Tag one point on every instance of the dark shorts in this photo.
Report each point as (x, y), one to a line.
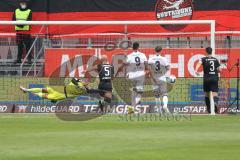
(105, 87)
(210, 84)
(26, 38)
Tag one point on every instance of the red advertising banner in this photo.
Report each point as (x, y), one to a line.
(6, 108)
(71, 62)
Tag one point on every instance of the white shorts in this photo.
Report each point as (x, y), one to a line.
(138, 84)
(160, 87)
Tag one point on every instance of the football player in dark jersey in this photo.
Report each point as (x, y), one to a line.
(105, 72)
(211, 69)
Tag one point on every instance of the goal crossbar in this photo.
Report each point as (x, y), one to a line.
(210, 22)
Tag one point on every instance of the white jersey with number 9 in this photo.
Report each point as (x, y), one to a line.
(136, 65)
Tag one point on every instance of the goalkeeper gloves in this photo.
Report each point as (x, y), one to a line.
(75, 81)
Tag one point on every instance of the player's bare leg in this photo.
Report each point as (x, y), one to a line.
(215, 99)
(33, 90)
(138, 98)
(165, 104)
(40, 92)
(41, 95)
(25, 90)
(106, 102)
(134, 95)
(133, 100)
(158, 107)
(160, 90)
(207, 101)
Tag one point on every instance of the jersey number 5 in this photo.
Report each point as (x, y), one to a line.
(107, 71)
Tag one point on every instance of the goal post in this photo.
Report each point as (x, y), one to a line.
(126, 31)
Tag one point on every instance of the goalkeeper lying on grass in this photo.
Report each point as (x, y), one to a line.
(72, 90)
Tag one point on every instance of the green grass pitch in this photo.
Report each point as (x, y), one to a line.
(44, 137)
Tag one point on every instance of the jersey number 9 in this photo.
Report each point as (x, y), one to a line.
(138, 61)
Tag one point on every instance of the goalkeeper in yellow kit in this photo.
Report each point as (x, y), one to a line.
(72, 90)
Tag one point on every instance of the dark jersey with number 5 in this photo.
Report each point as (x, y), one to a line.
(106, 72)
(210, 67)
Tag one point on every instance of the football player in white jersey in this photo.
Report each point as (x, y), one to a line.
(158, 67)
(136, 64)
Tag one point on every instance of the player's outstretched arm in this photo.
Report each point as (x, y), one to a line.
(219, 67)
(146, 67)
(149, 72)
(81, 84)
(167, 68)
(94, 68)
(120, 69)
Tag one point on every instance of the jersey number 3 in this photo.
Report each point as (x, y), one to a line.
(212, 68)
(157, 65)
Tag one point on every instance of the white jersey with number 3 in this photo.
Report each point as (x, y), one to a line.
(158, 66)
(136, 65)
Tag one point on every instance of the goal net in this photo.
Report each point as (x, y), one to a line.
(63, 49)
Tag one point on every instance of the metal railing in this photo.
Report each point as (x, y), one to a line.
(34, 64)
(30, 51)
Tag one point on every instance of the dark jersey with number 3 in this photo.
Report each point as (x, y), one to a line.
(106, 72)
(210, 67)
